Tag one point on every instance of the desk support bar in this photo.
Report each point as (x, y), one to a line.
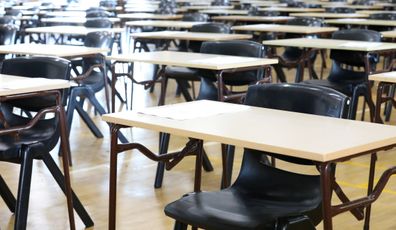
(193, 147)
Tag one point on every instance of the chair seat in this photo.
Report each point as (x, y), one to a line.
(182, 73)
(10, 149)
(222, 210)
(95, 81)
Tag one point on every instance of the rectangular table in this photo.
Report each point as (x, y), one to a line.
(285, 29)
(140, 16)
(242, 18)
(224, 12)
(349, 139)
(361, 22)
(218, 63)
(375, 48)
(73, 20)
(18, 87)
(191, 36)
(386, 81)
(163, 24)
(329, 15)
(292, 9)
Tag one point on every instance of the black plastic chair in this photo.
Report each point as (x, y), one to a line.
(183, 74)
(90, 82)
(8, 35)
(34, 143)
(97, 14)
(195, 17)
(291, 56)
(7, 20)
(254, 11)
(340, 10)
(98, 23)
(347, 73)
(264, 197)
(382, 16)
(209, 91)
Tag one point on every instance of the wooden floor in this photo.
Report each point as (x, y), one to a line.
(140, 206)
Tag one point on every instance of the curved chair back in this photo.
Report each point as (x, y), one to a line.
(211, 27)
(98, 23)
(340, 10)
(108, 3)
(235, 48)
(13, 12)
(7, 20)
(8, 34)
(97, 14)
(100, 39)
(382, 16)
(254, 11)
(195, 17)
(220, 3)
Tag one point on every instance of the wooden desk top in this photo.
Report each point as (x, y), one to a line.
(320, 43)
(66, 14)
(252, 18)
(361, 21)
(329, 15)
(11, 85)
(384, 77)
(50, 50)
(235, 12)
(72, 30)
(286, 133)
(194, 60)
(292, 9)
(150, 16)
(191, 36)
(207, 7)
(73, 20)
(389, 34)
(285, 29)
(164, 23)
(357, 7)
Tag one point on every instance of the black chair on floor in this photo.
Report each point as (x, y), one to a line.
(35, 143)
(8, 35)
(183, 74)
(265, 197)
(210, 91)
(348, 73)
(91, 80)
(195, 17)
(290, 58)
(340, 10)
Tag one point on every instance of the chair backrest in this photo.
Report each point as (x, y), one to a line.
(98, 23)
(220, 3)
(340, 10)
(108, 3)
(254, 11)
(99, 39)
(211, 27)
(13, 12)
(37, 67)
(195, 17)
(8, 34)
(301, 98)
(383, 16)
(97, 14)
(235, 48)
(7, 20)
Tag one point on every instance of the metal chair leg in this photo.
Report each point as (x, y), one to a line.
(7, 195)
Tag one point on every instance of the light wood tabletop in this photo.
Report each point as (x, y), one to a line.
(11, 85)
(226, 12)
(163, 23)
(50, 50)
(150, 16)
(389, 34)
(73, 20)
(329, 15)
(320, 43)
(291, 9)
(369, 12)
(194, 60)
(389, 77)
(357, 7)
(66, 14)
(191, 36)
(72, 30)
(361, 21)
(245, 18)
(285, 29)
(207, 7)
(243, 126)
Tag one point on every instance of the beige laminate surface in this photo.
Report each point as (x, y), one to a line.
(194, 60)
(207, 7)
(243, 126)
(150, 16)
(369, 12)
(329, 15)
(320, 43)
(192, 36)
(72, 20)
(50, 50)
(361, 21)
(66, 14)
(164, 23)
(357, 7)
(292, 9)
(73, 30)
(10, 84)
(384, 77)
(389, 34)
(235, 12)
(252, 18)
(285, 28)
